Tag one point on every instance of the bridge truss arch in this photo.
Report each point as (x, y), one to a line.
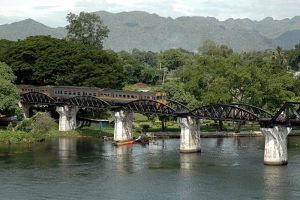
(262, 114)
(37, 98)
(288, 115)
(224, 112)
(149, 106)
(178, 107)
(87, 102)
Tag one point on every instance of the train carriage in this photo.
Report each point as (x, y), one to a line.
(114, 96)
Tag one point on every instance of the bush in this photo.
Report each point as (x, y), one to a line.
(41, 124)
(38, 126)
(24, 125)
(145, 127)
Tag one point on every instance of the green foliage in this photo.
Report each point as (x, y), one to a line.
(38, 126)
(4, 45)
(245, 79)
(15, 137)
(212, 49)
(96, 132)
(177, 92)
(294, 58)
(174, 58)
(43, 60)
(9, 95)
(86, 28)
(41, 124)
(25, 125)
(140, 66)
(145, 127)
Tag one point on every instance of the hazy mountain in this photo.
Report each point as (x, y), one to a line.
(141, 30)
(289, 39)
(152, 32)
(28, 27)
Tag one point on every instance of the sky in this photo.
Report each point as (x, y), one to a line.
(53, 12)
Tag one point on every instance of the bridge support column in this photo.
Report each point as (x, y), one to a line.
(189, 135)
(67, 117)
(276, 145)
(123, 125)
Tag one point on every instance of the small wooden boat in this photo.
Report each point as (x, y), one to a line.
(119, 143)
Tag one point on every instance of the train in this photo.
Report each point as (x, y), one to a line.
(109, 95)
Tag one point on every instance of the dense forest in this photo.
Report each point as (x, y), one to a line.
(216, 74)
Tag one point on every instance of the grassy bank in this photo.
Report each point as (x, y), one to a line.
(15, 137)
(95, 132)
(41, 127)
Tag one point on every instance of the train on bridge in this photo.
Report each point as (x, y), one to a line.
(109, 95)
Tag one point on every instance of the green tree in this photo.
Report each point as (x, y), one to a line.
(216, 79)
(140, 66)
(174, 58)
(23, 55)
(4, 45)
(279, 58)
(86, 28)
(294, 58)
(212, 49)
(9, 95)
(176, 92)
(43, 60)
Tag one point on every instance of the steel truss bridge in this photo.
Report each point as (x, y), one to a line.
(288, 114)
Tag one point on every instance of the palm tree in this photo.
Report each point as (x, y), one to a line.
(279, 58)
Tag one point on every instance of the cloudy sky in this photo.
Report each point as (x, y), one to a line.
(53, 12)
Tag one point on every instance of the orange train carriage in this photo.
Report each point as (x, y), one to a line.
(116, 96)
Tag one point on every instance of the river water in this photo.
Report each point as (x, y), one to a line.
(227, 168)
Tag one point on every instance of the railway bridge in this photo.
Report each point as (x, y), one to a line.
(275, 127)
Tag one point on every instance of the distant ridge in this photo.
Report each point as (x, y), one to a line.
(144, 31)
(28, 27)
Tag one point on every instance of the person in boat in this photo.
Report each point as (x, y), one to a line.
(142, 138)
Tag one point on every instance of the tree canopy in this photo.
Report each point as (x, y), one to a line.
(215, 75)
(44, 60)
(86, 28)
(232, 79)
(9, 95)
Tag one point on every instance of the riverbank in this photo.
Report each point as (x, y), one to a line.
(212, 134)
(15, 137)
(216, 134)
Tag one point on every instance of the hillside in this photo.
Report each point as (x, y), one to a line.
(28, 27)
(144, 31)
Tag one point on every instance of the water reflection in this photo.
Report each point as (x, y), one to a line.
(67, 150)
(276, 188)
(156, 146)
(227, 168)
(124, 160)
(188, 161)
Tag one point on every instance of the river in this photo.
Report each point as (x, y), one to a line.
(227, 168)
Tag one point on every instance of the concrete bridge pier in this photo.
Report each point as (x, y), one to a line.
(276, 145)
(123, 125)
(189, 134)
(67, 117)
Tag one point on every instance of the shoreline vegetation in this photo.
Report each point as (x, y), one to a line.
(42, 126)
(20, 136)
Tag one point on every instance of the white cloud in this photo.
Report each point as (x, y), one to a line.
(53, 12)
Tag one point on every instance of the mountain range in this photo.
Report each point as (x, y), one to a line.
(150, 32)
